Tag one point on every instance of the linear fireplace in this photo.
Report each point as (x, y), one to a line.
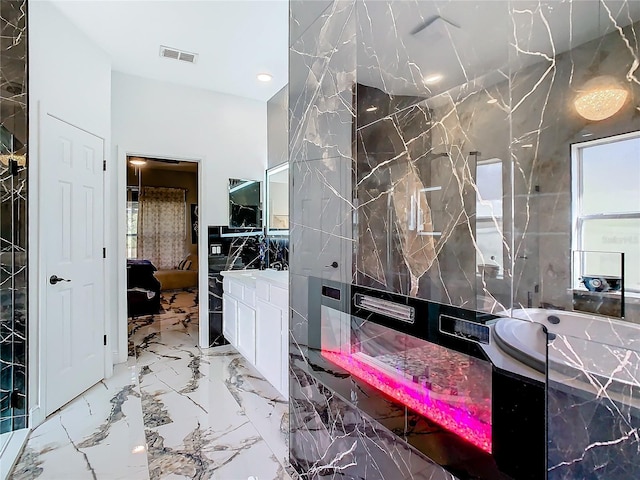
(428, 373)
(450, 388)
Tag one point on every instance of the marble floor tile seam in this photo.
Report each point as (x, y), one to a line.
(88, 446)
(255, 391)
(215, 384)
(166, 380)
(111, 435)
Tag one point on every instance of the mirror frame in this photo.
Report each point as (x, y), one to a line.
(267, 214)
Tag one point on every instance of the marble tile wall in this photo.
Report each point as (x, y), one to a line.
(592, 412)
(468, 122)
(328, 437)
(277, 252)
(13, 219)
(384, 171)
(420, 147)
(238, 253)
(544, 126)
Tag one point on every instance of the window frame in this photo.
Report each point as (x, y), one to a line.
(577, 217)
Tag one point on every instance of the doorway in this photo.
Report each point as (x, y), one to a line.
(162, 233)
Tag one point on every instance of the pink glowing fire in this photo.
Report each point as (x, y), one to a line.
(418, 399)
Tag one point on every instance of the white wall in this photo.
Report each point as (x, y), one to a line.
(227, 134)
(70, 77)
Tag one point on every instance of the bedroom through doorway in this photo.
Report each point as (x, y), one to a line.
(162, 253)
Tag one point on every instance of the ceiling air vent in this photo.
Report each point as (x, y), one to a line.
(187, 57)
(175, 54)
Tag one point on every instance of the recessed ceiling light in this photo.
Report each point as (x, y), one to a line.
(138, 161)
(492, 100)
(434, 78)
(264, 77)
(372, 108)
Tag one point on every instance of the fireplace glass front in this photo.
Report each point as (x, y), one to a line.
(447, 387)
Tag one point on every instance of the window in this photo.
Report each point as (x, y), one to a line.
(606, 206)
(132, 223)
(489, 214)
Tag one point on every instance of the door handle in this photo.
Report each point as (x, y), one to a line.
(53, 279)
(333, 265)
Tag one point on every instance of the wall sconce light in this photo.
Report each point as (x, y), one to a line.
(600, 98)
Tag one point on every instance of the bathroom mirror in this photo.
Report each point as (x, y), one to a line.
(277, 200)
(245, 206)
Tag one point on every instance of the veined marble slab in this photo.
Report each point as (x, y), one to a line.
(173, 411)
(98, 435)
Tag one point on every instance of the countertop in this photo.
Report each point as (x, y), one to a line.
(279, 278)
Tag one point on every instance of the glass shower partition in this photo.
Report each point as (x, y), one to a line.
(593, 401)
(13, 284)
(13, 232)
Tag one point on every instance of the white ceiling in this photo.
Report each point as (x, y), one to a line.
(235, 40)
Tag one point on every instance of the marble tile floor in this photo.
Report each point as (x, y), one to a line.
(173, 411)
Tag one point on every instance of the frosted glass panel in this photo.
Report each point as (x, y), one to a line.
(489, 183)
(616, 235)
(489, 240)
(489, 251)
(611, 176)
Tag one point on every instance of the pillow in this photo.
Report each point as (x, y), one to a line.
(186, 265)
(181, 264)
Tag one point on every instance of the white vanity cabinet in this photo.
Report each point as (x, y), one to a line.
(255, 321)
(269, 333)
(246, 343)
(230, 325)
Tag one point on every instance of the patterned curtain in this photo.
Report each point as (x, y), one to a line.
(162, 226)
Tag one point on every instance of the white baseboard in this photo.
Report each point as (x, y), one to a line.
(11, 450)
(36, 416)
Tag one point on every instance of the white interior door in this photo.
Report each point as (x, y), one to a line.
(72, 233)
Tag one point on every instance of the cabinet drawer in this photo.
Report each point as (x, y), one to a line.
(280, 297)
(236, 289)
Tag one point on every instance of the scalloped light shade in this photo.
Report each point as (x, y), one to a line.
(137, 161)
(600, 98)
